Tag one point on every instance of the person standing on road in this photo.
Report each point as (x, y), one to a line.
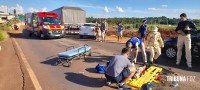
(104, 27)
(143, 30)
(154, 42)
(134, 44)
(120, 33)
(98, 32)
(184, 38)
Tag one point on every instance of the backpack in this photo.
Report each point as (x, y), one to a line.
(100, 68)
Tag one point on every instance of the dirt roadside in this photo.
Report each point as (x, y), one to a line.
(14, 75)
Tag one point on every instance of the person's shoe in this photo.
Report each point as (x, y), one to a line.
(124, 87)
(145, 63)
(189, 66)
(148, 66)
(151, 63)
(108, 83)
(177, 63)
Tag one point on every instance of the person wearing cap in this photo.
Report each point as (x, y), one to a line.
(134, 44)
(143, 30)
(184, 29)
(154, 45)
(120, 33)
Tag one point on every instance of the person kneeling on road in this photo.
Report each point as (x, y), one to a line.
(133, 44)
(154, 43)
(120, 69)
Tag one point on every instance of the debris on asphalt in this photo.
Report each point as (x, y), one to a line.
(174, 84)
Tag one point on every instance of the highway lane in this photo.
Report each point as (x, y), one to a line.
(41, 54)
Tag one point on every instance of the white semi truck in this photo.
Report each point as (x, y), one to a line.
(72, 18)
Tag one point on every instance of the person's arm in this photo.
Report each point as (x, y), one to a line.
(192, 26)
(146, 27)
(178, 28)
(129, 64)
(108, 63)
(136, 50)
(106, 25)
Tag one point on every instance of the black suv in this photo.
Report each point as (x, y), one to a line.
(170, 48)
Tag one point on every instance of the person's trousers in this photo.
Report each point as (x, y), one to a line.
(103, 34)
(184, 40)
(142, 48)
(155, 52)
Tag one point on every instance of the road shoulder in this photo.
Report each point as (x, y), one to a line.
(13, 74)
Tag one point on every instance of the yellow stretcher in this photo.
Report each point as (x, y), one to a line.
(149, 76)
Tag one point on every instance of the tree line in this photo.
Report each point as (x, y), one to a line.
(133, 22)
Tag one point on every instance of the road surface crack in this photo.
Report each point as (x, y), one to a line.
(21, 67)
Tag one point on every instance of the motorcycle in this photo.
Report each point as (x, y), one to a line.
(16, 27)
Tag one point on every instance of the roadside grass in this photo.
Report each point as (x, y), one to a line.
(163, 27)
(3, 35)
(150, 27)
(3, 31)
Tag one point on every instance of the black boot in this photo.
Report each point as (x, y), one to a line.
(151, 63)
(155, 61)
(145, 63)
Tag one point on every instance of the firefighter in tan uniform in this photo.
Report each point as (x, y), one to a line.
(154, 45)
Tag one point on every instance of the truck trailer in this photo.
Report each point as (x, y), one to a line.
(72, 18)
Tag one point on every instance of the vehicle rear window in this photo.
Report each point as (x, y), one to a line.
(89, 25)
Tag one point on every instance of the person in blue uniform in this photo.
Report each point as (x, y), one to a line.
(134, 44)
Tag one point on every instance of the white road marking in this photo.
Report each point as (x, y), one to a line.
(28, 67)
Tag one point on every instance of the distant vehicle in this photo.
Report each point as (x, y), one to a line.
(72, 18)
(88, 29)
(170, 48)
(44, 25)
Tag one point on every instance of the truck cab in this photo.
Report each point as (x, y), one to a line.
(45, 25)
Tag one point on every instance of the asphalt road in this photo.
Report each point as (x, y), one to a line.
(41, 55)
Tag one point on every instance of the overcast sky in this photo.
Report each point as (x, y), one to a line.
(110, 8)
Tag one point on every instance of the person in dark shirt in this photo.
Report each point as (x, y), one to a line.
(143, 30)
(184, 29)
(104, 27)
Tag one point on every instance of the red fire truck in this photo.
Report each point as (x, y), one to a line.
(44, 25)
